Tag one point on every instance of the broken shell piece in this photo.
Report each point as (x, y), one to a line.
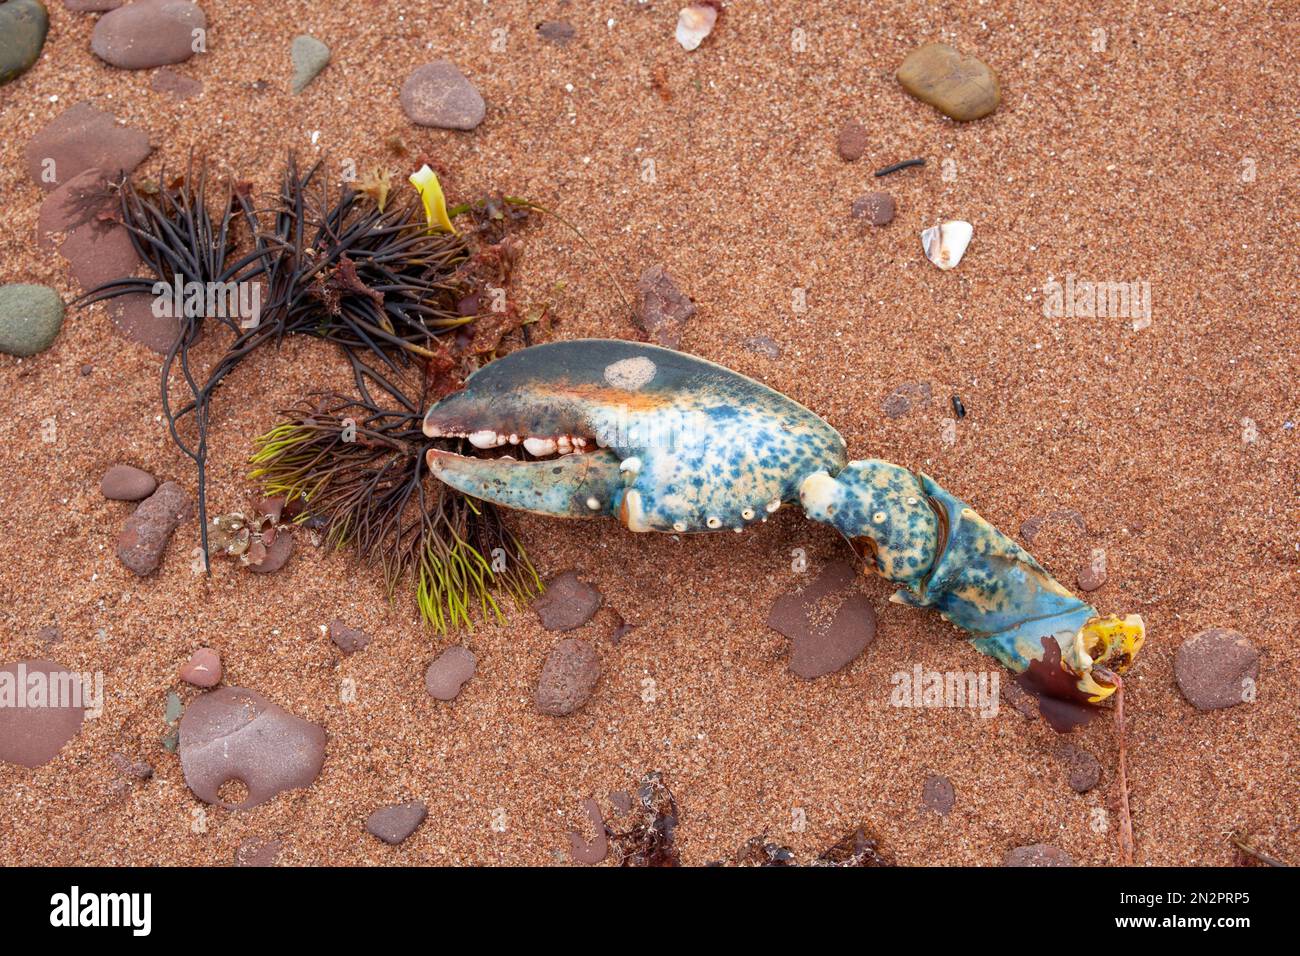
(694, 23)
(945, 244)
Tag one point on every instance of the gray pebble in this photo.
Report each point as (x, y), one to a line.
(127, 483)
(23, 25)
(309, 56)
(30, 318)
(438, 94)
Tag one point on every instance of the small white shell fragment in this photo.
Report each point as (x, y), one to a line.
(946, 243)
(694, 23)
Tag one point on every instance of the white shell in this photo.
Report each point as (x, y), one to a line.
(945, 244)
(694, 23)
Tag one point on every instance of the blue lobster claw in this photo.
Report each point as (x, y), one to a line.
(662, 440)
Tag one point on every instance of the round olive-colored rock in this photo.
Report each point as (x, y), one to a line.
(23, 25)
(30, 318)
(962, 87)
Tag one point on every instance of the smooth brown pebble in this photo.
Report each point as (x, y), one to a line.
(235, 734)
(961, 87)
(438, 94)
(127, 483)
(1217, 668)
(394, 824)
(449, 672)
(33, 735)
(568, 677)
(148, 33)
(203, 669)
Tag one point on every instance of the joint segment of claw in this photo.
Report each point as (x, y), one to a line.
(684, 445)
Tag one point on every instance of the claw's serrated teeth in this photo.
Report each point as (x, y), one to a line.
(541, 447)
(486, 439)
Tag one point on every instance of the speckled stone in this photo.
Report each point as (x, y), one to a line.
(961, 87)
(30, 318)
(438, 94)
(23, 25)
(568, 677)
(144, 537)
(877, 208)
(147, 33)
(568, 603)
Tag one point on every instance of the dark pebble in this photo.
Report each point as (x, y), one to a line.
(348, 639)
(449, 672)
(1216, 668)
(394, 824)
(567, 603)
(1084, 769)
(557, 31)
(877, 208)
(236, 734)
(662, 310)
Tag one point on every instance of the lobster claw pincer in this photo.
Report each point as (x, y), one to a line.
(662, 440)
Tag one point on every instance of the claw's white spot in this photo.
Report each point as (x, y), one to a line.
(679, 525)
(632, 513)
(911, 501)
(630, 373)
(714, 522)
(773, 504)
(593, 504)
(737, 530)
(632, 465)
(878, 517)
(748, 514)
